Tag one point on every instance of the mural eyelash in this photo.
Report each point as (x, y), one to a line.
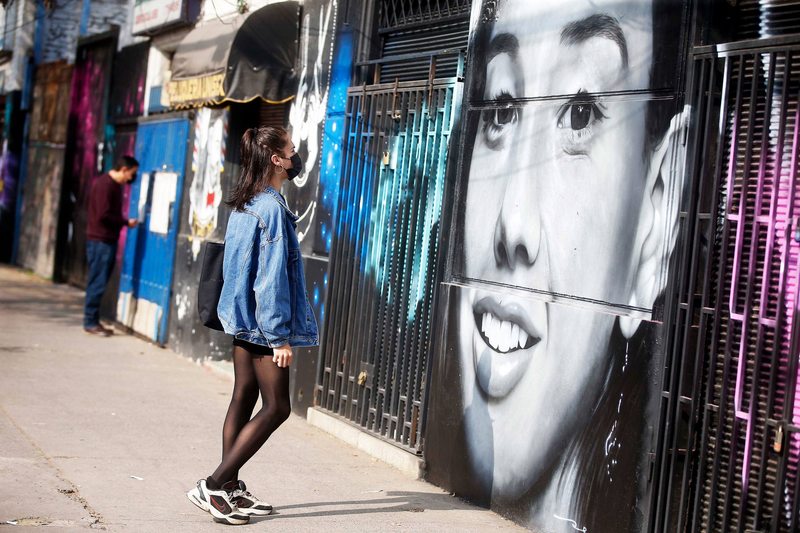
(496, 120)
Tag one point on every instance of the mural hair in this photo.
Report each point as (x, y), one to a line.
(608, 480)
(258, 145)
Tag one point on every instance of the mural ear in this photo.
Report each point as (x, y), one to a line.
(658, 220)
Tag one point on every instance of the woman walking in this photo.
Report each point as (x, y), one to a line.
(264, 306)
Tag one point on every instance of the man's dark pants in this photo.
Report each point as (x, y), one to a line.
(100, 258)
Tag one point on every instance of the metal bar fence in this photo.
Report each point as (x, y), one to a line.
(384, 261)
(729, 443)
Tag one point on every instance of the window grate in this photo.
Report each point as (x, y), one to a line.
(418, 40)
(395, 14)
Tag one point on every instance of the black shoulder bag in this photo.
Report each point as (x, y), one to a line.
(211, 284)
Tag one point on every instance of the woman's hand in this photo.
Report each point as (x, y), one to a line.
(282, 356)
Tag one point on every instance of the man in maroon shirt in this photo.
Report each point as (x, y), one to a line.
(102, 232)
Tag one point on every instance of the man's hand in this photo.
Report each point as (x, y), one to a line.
(282, 356)
(132, 222)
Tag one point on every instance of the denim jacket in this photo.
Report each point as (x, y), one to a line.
(263, 298)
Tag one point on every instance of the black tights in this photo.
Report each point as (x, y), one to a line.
(242, 436)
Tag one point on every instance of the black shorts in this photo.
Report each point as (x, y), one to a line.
(255, 349)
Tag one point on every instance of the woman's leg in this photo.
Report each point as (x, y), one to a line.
(273, 382)
(243, 401)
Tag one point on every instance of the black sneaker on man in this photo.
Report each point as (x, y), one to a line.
(218, 503)
(245, 501)
(98, 330)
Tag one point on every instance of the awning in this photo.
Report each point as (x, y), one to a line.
(238, 60)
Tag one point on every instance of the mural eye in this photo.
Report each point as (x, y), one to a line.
(579, 115)
(504, 116)
(498, 120)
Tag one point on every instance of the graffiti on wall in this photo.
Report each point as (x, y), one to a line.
(332, 141)
(566, 220)
(208, 160)
(40, 208)
(9, 164)
(308, 109)
(45, 163)
(62, 26)
(129, 76)
(85, 149)
(121, 141)
(8, 179)
(754, 250)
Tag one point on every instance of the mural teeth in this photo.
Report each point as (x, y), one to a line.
(513, 341)
(494, 331)
(505, 336)
(485, 322)
(523, 339)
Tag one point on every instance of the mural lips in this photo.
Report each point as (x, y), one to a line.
(506, 336)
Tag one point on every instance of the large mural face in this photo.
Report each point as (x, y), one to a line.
(567, 219)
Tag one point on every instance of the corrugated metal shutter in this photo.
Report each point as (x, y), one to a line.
(756, 19)
(452, 36)
(273, 114)
(428, 31)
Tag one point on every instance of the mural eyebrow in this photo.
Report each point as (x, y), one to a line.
(503, 43)
(597, 25)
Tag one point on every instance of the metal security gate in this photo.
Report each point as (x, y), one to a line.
(384, 257)
(730, 442)
(384, 263)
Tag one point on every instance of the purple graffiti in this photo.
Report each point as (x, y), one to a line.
(8, 179)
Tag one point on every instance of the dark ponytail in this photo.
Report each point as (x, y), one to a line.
(258, 145)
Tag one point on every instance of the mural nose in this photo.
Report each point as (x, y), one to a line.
(516, 234)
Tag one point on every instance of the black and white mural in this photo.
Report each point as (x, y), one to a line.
(566, 217)
(306, 123)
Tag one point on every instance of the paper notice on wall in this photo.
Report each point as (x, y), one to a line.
(141, 210)
(165, 185)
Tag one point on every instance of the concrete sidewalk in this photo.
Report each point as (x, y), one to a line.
(110, 433)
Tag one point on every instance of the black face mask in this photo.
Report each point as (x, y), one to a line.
(297, 166)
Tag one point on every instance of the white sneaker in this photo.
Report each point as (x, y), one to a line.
(194, 497)
(244, 499)
(218, 503)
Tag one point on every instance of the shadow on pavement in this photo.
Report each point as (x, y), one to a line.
(415, 502)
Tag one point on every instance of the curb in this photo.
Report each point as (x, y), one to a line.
(408, 463)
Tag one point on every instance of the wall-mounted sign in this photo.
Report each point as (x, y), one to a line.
(200, 89)
(151, 14)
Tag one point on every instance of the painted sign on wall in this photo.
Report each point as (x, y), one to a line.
(566, 217)
(150, 14)
(67, 21)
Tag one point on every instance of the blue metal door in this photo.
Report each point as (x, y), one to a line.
(146, 280)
